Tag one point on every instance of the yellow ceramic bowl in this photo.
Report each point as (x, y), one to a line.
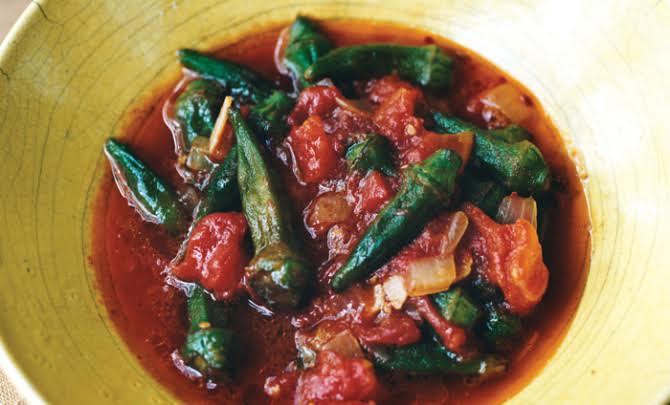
(70, 72)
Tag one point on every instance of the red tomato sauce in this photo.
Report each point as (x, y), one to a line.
(130, 255)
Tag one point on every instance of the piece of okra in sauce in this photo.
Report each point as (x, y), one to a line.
(222, 193)
(428, 66)
(305, 45)
(277, 273)
(506, 153)
(209, 342)
(430, 358)
(151, 197)
(425, 191)
(269, 107)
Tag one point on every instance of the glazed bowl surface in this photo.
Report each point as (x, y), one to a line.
(73, 73)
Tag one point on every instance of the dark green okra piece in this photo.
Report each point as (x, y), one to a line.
(456, 306)
(197, 108)
(506, 153)
(485, 194)
(372, 153)
(499, 326)
(305, 45)
(428, 66)
(277, 273)
(426, 190)
(238, 80)
(430, 358)
(221, 193)
(209, 343)
(453, 125)
(268, 117)
(151, 197)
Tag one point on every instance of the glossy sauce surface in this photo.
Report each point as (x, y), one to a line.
(130, 255)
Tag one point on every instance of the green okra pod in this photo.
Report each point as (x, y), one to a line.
(485, 194)
(507, 153)
(221, 193)
(426, 190)
(429, 358)
(456, 306)
(277, 273)
(151, 197)
(197, 108)
(305, 45)
(499, 326)
(238, 80)
(428, 66)
(373, 153)
(268, 117)
(209, 343)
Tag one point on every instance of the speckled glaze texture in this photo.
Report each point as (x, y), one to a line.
(72, 72)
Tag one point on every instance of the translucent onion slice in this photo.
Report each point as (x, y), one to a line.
(395, 291)
(221, 140)
(353, 106)
(455, 229)
(510, 101)
(197, 158)
(344, 343)
(326, 210)
(280, 47)
(513, 208)
(430, 275)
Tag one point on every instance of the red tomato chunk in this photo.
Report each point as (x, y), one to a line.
(395, 117)
(374, 192)
(510, 257)
(396, 329)
(215, 256)
(337, 378)
(314, 100)
(314, 151)
(379, 90)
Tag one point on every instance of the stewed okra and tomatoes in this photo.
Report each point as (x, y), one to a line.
(329, 216)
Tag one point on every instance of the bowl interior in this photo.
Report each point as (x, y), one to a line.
(72, 73)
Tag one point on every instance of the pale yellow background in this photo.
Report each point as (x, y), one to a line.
(75, 68)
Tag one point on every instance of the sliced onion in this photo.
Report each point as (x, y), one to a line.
(353, 106)
(395, 291)
(344, 343)
(282, 42)
(221, 141)
(513, 208)
(430, 275)
(198, 156)
(378, 302)
(326, 210)
(455, 229)
(510, 101)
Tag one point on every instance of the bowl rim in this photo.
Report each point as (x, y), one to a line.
(17, 376)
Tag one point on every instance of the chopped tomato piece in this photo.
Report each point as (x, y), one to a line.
(313, 149)
(510, 257)
(430, 142)
(395, 117)
(314, 100)
(337, 378)
(379, 90)
(215, 256)
(397, 329)
(374, 192)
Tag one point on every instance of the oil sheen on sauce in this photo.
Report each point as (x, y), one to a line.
(129, 255)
